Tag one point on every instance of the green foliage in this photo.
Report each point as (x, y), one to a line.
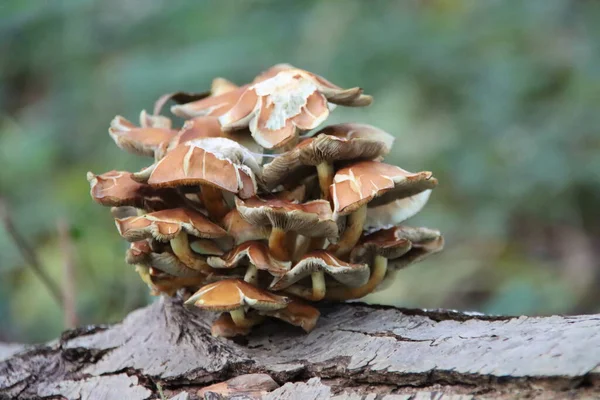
(498, 99)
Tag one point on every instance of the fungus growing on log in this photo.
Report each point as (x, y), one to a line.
(237, 212)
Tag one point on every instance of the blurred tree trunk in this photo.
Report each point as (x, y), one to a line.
(357, 351)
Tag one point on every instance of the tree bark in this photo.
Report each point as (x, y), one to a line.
(357, 351)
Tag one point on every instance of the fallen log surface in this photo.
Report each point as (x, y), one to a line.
(357, 351)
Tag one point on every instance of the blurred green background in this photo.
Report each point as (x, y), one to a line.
(500, 99)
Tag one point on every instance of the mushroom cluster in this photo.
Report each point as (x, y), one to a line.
(252, 213)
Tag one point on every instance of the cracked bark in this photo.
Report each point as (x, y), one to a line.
(356, 352)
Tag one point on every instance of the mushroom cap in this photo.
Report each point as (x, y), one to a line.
(167, 224)
(342, 142)
(351, 275)
(225, 327)
(425, 242)
(139, 140)
(298, 314)
(241, 230)
(169, 284)
(375, 183)
(140, 253)
(388, 243)
(211, 105)
(218, 162)
(256, 253)
(209, 127)
(312, 219)
(284, 102)
(402, 245)
(117, 188)
(396, 211)
(231, 294)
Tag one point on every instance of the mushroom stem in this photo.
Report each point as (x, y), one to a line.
(356, 222)
(377, 274)
(279, 245)
(318, 285)
(251, 275)
(303, 244)
(181, 247)
(241, 320)
(212, 198)
(325, 173)
(144, 273)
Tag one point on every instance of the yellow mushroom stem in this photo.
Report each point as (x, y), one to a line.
(318, 285)
(144, 273)
(213, 201)
(251, 275)
(325, 173)
(303, 292)
(242, 321)
(181, 247)
(281, 244)
(354, 228)
(377, 274)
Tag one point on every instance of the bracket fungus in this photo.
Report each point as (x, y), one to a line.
(245, 216)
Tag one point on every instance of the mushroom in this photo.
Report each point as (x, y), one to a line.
(143, 257)
(209, 106)
(316, 264)
(209, 127)
(117, 189)
(225, 327)
(258, 257)
(172, 226)
(216, 164)
(241, 230)
(276, 109)
(142, 140)
(312, 219)
(370, 182)
(296, 313)
(342, 142)
(395, 212)
(234, 296)
(162, 282)
(400, 245)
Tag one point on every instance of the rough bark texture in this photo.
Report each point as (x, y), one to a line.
(356, 352)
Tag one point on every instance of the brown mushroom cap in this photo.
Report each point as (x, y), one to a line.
(165, 225)
(351, 275)
(241, 230)
(298, 314)
(388, 243)
(277, 108)
(257, 253)
(209, 106)
(342, 142)
(231, 294)
(398, 243)
(117, 188)
(209, 127)
(139, 140)
(312, 219)
(375, 183)
(217, 162)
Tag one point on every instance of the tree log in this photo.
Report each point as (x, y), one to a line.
(357, 351)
